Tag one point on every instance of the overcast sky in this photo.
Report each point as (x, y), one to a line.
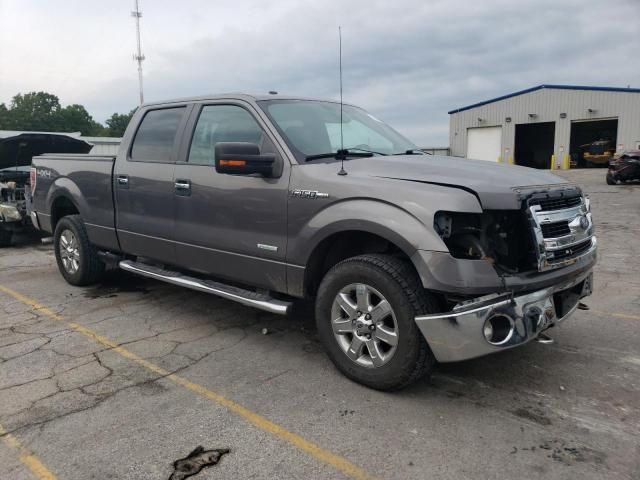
(408, 62)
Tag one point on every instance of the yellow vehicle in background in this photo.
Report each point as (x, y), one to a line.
(598, 153)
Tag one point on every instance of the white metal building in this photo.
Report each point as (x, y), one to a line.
(545, 126)
(101, 145)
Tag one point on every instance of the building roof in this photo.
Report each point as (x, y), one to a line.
(540, 87)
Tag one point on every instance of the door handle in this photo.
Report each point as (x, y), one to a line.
(123, 181)
(182, 187)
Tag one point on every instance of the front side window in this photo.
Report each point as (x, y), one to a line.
(156, 135)
(313, 128)
(222, 123)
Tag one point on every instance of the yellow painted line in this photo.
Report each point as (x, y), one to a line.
(339, 463)
(626, 316)
(26, 456)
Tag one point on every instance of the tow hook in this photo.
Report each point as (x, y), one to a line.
(545, 339)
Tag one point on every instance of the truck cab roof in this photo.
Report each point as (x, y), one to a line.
(237, 96)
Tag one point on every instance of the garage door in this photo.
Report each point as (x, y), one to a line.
(484, 143)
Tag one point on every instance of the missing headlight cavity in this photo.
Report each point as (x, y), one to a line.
(196, 461)
(502, 238)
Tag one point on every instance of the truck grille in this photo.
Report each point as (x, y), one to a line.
(550, 204)
(574, 251)
(556, 229)
(562, 228)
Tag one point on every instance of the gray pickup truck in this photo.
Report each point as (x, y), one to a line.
(412, 259)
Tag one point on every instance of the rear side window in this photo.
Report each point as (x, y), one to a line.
(156, 135)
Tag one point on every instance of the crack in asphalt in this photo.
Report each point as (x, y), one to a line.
(59, 371)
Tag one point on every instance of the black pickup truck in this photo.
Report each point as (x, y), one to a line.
(411, 258)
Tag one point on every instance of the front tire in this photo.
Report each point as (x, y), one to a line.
(77, 258)
(365, 312)
(611, 180)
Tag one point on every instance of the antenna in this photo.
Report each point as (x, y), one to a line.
(138, 57)
(341, 153)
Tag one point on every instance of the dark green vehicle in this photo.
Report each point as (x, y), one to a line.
(411, 259)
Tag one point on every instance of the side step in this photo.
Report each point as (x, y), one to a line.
(240, 295)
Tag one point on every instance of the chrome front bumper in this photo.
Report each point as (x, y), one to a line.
(458, 335)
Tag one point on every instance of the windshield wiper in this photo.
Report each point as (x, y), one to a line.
(411, 152)
(365, 150)
(339, 155)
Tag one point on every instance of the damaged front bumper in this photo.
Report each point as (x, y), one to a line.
(496, 322)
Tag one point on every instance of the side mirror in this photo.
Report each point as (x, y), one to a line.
(241, 158)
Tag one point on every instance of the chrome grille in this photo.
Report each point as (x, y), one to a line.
(562, 228)
(571, 252)
(558, 203)
(556, 229)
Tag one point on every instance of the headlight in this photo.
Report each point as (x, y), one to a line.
(500, 237)
(9, 213)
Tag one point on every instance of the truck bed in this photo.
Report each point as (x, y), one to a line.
(85, 178)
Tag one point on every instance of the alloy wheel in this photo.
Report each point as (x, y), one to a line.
(364, 325)
(69, 252)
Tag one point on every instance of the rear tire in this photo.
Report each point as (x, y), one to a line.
(5, 237)
(77, 258)
(376, 364)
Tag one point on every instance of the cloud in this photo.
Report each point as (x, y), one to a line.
(408, 62)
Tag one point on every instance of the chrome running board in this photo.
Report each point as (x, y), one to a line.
(240, 295)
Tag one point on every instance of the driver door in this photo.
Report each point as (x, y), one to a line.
(230, 226)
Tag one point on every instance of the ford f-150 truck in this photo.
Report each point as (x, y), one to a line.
(412, 259)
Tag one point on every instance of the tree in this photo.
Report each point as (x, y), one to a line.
(41, 111)
(5, 117)
(75, 118)
(118, 122)
(35, 111)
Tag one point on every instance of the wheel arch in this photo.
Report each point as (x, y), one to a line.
(341, 245)
(65, 198)
(61, 207)
(350, 228)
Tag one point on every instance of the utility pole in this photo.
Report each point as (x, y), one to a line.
(138, 57)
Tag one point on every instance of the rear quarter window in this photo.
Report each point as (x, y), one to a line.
(156, 135)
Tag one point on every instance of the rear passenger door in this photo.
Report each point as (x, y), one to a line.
(143, 185)
(230, 226)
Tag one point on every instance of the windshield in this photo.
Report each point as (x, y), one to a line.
(313, 128)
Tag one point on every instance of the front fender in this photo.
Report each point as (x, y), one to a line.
(385, 220)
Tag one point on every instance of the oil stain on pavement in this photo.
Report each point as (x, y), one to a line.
(196, 461)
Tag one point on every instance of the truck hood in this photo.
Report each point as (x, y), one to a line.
(497, 186)
(14, 174)
(17, 151)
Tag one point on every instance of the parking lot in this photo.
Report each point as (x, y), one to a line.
(122, 379)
